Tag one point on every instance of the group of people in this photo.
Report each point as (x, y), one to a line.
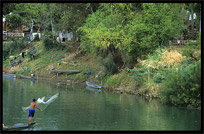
(23, 54)
(13, 62)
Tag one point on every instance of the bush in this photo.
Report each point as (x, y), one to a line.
(115, 80)
(182, 87)
(32, 54)
(188, 50)
(49, 43)
(109, 65)
(6, 50)
(15, 45)
(36, 38)
(59, 57)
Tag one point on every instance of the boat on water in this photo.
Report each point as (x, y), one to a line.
(92, 85)
(9, 75)
(27, 77)
(13, 128)
(91, 89)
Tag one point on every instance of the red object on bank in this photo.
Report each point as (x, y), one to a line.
(28, 47)
(182, 42)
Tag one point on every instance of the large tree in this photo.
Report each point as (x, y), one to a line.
(132, 29)
(194, 8)
(8, 8)
(28, 14)
(70, 16)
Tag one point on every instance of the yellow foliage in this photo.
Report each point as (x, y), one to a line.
(168, 59)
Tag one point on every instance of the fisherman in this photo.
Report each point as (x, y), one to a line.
(32, 110)
(4, 126)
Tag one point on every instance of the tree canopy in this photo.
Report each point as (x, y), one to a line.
(128, 30)
(135, 29)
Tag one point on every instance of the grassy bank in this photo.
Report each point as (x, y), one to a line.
(162, 74)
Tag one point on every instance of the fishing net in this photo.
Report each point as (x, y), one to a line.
(42, 104)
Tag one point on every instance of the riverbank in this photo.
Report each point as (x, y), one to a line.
(145, 79)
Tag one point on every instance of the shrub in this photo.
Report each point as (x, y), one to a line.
(32, 54)
(109, 65)
(48, 43)
(116, 80)
(6, 51)
(183, 86)
(36, 38)
(188, 50)
(162, 58)
(59, 57)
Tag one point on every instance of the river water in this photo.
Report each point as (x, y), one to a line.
(80, 108)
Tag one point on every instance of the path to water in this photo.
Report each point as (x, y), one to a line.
(77, 108)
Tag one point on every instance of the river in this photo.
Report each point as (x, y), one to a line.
(79, 108)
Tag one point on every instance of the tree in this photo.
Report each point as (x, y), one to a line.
(134, 30)
(194, 8)
(72, 15)
(27, 14)
(8, 8)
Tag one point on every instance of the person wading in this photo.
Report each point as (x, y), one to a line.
(32, 110)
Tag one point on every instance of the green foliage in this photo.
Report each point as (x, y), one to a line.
(49, 42)
(6, 50)
(13, 21)
(188, 50)
(134, 31)
(191, 46)
(59, 57)
(138, 74)
(116, 80)
(73, 16)
(13, 47)
(36, 38)
(8, 8)
(183, 86)
(110, 66)
(33, 54)
(159, 77)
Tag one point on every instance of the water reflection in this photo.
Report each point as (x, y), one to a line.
(78, 108)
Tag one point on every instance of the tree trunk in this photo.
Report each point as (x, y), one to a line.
(192, 25)
(91, 9)
(200, 22)
(123, 56)
(51, 23)
(31, 30)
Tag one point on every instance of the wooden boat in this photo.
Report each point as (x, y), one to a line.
(65, 71)
(13, 128)
(91, 89)
(92, 85)
(9, 75)
(27, 77)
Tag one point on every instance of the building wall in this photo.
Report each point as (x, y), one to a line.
(64, 36)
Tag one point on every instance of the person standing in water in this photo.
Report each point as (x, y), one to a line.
(4, 126)
(32, 110)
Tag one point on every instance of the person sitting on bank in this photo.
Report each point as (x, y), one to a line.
(4, 126)
(32, 110)
(32, 75)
